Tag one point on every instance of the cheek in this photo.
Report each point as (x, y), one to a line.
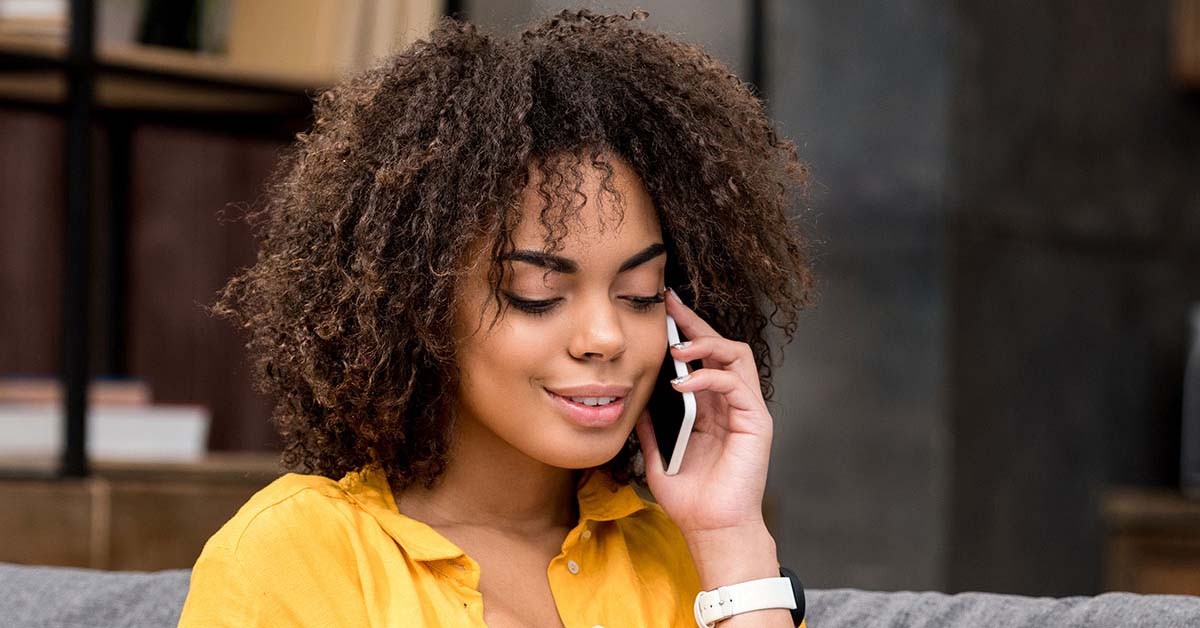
(646, 350)
(512, 352)
(652, 341)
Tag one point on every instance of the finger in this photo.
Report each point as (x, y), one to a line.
(645, 432)
(730, 386)
(723, 353)
(688, 320)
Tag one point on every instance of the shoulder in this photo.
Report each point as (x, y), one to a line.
(292, 504)
(292, 539)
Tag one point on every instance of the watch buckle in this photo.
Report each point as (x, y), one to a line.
(725, 602)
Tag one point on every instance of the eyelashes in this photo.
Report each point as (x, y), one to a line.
(538, 308)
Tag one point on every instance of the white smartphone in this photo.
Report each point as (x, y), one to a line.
(672, 413)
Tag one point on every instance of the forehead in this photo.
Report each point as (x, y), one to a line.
(597, 204)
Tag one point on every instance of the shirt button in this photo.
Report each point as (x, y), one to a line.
(587, 534)
(572, 566)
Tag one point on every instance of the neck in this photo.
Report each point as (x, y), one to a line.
(488, 483)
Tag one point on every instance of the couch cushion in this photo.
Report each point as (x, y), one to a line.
(66, 597)
(846, 608)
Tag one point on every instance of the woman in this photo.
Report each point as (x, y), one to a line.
(474, 231)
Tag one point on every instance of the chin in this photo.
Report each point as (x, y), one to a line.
(576, 457)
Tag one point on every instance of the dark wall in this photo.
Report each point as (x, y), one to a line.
(1075, 187)
(862, 457)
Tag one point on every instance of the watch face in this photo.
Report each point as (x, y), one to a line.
(797, 592)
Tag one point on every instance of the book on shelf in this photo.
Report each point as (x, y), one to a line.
(116, 21)
(323, 38)
(396, 24)
(122, 422)
(33, 18)
(155, 432)
(310, 42)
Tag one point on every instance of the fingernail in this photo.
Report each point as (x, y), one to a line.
(680, 380)
(680, 345)
(674, 296)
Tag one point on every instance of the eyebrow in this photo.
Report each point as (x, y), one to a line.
(568, 266)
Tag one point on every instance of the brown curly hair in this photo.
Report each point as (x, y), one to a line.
(368, 218)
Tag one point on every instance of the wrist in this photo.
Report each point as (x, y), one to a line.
(733, 555)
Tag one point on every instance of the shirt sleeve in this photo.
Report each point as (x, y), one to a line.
(289, 565)
(219, 591)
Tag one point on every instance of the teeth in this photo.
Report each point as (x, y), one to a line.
(593, 401)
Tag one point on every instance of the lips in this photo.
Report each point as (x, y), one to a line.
(589, 416)
(592, 390)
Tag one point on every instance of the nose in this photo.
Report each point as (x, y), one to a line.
(598, 333)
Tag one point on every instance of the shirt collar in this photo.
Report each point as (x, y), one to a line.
(600, 498)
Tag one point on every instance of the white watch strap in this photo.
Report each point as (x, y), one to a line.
(726, 601)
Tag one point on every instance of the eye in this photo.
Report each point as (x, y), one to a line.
(645, 304)
(538, 308)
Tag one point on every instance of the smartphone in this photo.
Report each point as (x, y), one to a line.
(672, 412)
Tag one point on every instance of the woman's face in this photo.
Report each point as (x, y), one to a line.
(593, 332)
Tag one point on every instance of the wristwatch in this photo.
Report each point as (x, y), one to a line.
(723, 602)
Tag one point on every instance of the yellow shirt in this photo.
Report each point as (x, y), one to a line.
(309, 551)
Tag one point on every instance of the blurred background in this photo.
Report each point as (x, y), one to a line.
(990, 395)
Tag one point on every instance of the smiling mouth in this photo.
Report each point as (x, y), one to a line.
(588, 416)
(614, 398)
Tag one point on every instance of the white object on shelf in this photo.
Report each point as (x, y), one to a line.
(33, 9)
(35, 18)
(162, 432)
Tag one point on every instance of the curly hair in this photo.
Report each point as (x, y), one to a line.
(367, 220)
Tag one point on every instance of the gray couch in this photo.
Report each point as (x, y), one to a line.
(62, 597)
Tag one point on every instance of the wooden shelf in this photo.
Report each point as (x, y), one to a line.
(1153, 541)
(153, 78)
(128, 515)
(214, 467)
(1185, 43)
(1135, 508)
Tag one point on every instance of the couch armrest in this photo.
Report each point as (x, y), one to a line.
(68, 597)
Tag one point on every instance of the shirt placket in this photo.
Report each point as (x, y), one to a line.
(464, 571)
(572, 578)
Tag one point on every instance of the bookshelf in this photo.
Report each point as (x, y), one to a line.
(136, 77)
(252, 88)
